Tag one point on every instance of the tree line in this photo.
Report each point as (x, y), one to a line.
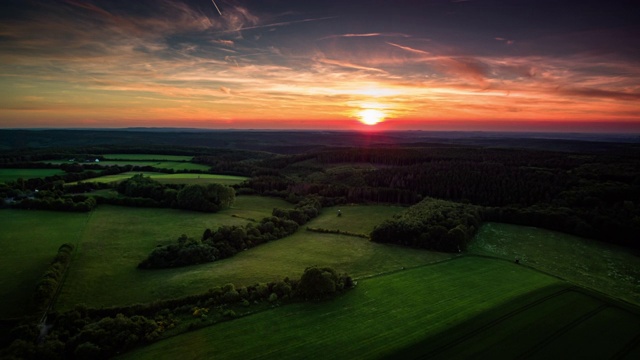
(50, 280)
(84, 333)
(140, 190)
(228, 240)
(591, 195)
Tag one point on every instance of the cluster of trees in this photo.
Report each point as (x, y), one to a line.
(141, 190)
(588, 194)
(84, 333)
(431, 224)
(228, 240)
(50, 281)
(319, 282)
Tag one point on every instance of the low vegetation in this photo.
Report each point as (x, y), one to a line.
(227, 241)
(593, 264)
(490, 290)
(50, 281)
(9, 175)
(102, 333)
(29, 240)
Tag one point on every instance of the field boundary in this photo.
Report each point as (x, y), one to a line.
(634, 343)
(54, 299)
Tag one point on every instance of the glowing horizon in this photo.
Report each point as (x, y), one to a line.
(286, 64)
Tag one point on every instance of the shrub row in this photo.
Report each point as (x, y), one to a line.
(339, 232)
(227, 241)
(50, 281)
(85, 333)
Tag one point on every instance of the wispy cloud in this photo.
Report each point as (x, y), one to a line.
(86, 60)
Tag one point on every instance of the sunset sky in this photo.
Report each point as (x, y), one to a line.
(516, 65)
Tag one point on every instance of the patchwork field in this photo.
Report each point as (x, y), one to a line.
(29, 241)
(593, 264)
(116, 239)
(7, 175)
(464, 307)
(407, 304)
(104, 271)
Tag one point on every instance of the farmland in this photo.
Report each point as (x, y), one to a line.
(209, 292)
(7, 175)
(117, 238)
(428, 310)
(604, 267)
(130, 234)
(29, 241)
(173, 178)
(147, 157)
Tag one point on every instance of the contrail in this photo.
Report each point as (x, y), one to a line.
(214, 4)
(276, 24)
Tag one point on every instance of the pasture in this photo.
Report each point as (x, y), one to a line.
(116, 239)
(147, 157)
(354, 218)
(29, 241)
(7, 175)
(463, 307)
(173, 165)
(589, 263)
(187, 178)
(104, 271)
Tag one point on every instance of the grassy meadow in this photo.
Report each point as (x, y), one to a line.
(355, 218)
(593, 264)
(408, 303)
(29, 241)
(7, 175)
(174, 165)
(462, 308)
(147, 157)
(118, 238)
(173, 178)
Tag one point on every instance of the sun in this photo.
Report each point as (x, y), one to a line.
(371, 116)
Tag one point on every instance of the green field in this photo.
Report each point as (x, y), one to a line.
(7, 175)
(29, 241)
(356, 219)
(104, 271)
(116, 239)
(593, 264)
(173, 178)
(174, 165)
(408, 313)
(147, 157)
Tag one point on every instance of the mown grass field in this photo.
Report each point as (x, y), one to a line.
(116, 239)
(104, 271)
(147, 157)
(464, 307)
(7, 175)
(355, 219)
(29, 240)
(174, 165)
(593, 264)
(173, 178)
